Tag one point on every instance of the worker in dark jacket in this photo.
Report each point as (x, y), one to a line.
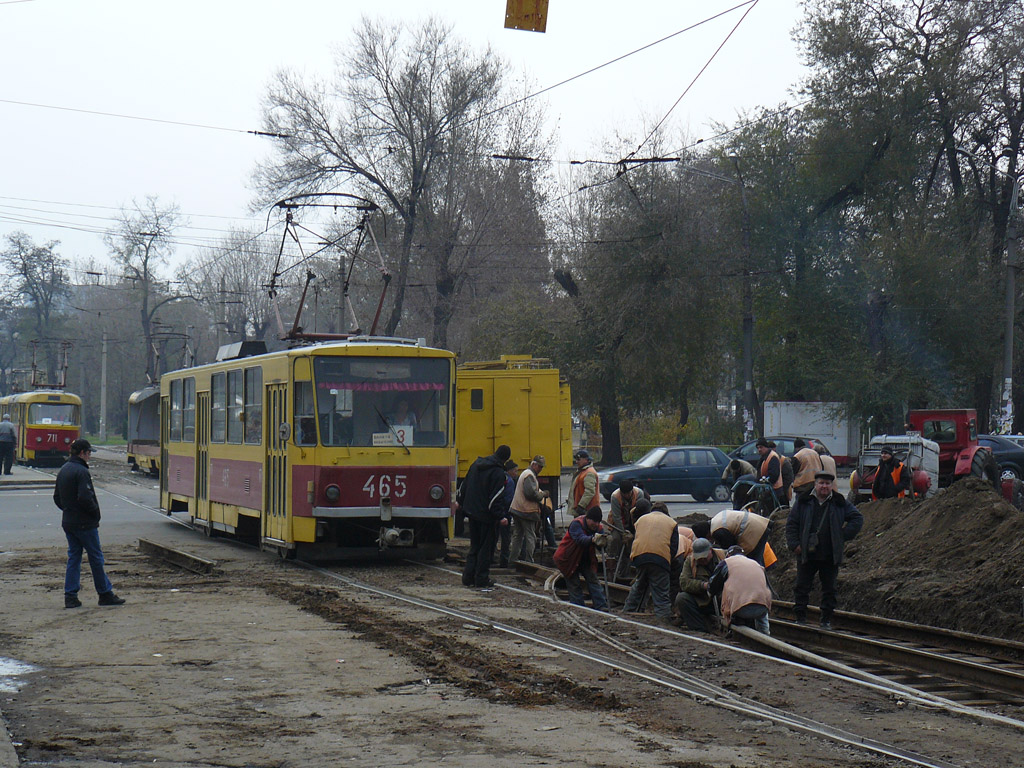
(74, 496)
(481, 498)
(819, 525)
(892, 478)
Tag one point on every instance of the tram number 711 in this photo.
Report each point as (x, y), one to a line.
(386, 485)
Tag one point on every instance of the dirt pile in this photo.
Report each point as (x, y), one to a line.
(955, 560)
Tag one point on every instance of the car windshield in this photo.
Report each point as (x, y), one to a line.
(651, 458)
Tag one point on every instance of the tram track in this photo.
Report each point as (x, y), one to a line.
(647, 668)
(605, 647)
(974, 670)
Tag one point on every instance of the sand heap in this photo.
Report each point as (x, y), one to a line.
(955, 560)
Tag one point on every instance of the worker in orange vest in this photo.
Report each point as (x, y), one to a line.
(771, 468)
(892, 478)
(583, 490)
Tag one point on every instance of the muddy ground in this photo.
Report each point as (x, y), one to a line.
(263, 663)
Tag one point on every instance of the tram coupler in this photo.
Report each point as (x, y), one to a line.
(396, 537)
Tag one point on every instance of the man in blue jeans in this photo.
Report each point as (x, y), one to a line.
(74, 496)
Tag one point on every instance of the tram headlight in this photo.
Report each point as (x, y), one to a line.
(436, 492)
(67, 439)
(332, 492)
(39, 439)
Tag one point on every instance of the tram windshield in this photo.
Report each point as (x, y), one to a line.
(382, 401)
(62, 414)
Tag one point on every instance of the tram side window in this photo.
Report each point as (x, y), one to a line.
(253, 405)
(218, 408)
(305, 414)
(188, 411)
(235, 406)
(176, 410)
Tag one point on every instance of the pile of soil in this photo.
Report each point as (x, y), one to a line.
(955, 560)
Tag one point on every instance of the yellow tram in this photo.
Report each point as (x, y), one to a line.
(334, 450)
(47, 422)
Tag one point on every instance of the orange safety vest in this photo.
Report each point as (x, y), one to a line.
(577, 485)
(895, 474)
(764, 469)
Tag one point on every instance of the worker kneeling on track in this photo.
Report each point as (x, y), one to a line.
(576, 558)
(746, 596)
(694, 603)
(656, 542)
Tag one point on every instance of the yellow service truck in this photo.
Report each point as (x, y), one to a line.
(518, 401)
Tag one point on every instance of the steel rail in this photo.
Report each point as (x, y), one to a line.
(699, 691)
(987, 673)
(967, 642)
(822, 665)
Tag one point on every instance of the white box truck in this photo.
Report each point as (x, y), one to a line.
(815, 419)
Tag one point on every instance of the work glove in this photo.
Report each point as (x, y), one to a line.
(600, 540)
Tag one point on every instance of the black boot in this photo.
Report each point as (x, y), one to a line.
(109, 598)
(71, 600)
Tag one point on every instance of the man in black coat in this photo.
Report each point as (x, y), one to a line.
(481, 499)
(819, 525)
(74, 496)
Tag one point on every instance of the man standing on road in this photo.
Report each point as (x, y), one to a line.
(481, 499)
(527, 514)
(620, 520)
(818, 528)
(583, 493)
(8, 437)
(770, 471)
(892, 478)
(74, 496)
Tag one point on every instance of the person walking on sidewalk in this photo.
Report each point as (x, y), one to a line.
(75, 497)
(481, 498)
(8, 438)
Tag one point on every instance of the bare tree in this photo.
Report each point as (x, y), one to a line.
(141, 244)
(40, 279)
(404, 106)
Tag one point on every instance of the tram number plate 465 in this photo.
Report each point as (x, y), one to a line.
(386, 485)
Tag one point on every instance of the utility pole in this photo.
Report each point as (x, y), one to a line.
(103, 390)
(1004, 419)
(750, 412)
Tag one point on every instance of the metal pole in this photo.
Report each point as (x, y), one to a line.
(1004, 423)
(103, 390)
(750, 416)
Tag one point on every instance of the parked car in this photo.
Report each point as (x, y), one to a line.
(674, 470)
(748, 451)
(1008, 453)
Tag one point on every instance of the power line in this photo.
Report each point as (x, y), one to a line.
(697, 76)
(142, 119)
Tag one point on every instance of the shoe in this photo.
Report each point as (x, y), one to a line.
(488, 585)
(109, 598)
(826, 624)
(72, 601)
(800, 620)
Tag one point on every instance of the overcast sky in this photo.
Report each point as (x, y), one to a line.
(64, 174)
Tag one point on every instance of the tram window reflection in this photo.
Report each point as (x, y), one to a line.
(305, 420)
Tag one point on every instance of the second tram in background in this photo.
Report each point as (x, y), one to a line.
(331, 450)
(47, 422)
(144, 430)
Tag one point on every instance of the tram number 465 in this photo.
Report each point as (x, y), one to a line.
(386, 485)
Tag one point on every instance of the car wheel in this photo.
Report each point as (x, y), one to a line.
(700, 498)
(722, 494)
(1009, 472)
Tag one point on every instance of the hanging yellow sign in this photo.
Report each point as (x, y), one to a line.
(530, 15)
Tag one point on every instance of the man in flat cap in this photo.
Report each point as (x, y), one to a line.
(583, 492)
(892, 478)
(527, 513)
(819, 525)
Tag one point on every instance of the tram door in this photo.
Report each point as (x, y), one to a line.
(276, 523)
(165, 435)
(202, 510)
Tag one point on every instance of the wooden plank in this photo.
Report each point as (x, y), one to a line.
(176, 557)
